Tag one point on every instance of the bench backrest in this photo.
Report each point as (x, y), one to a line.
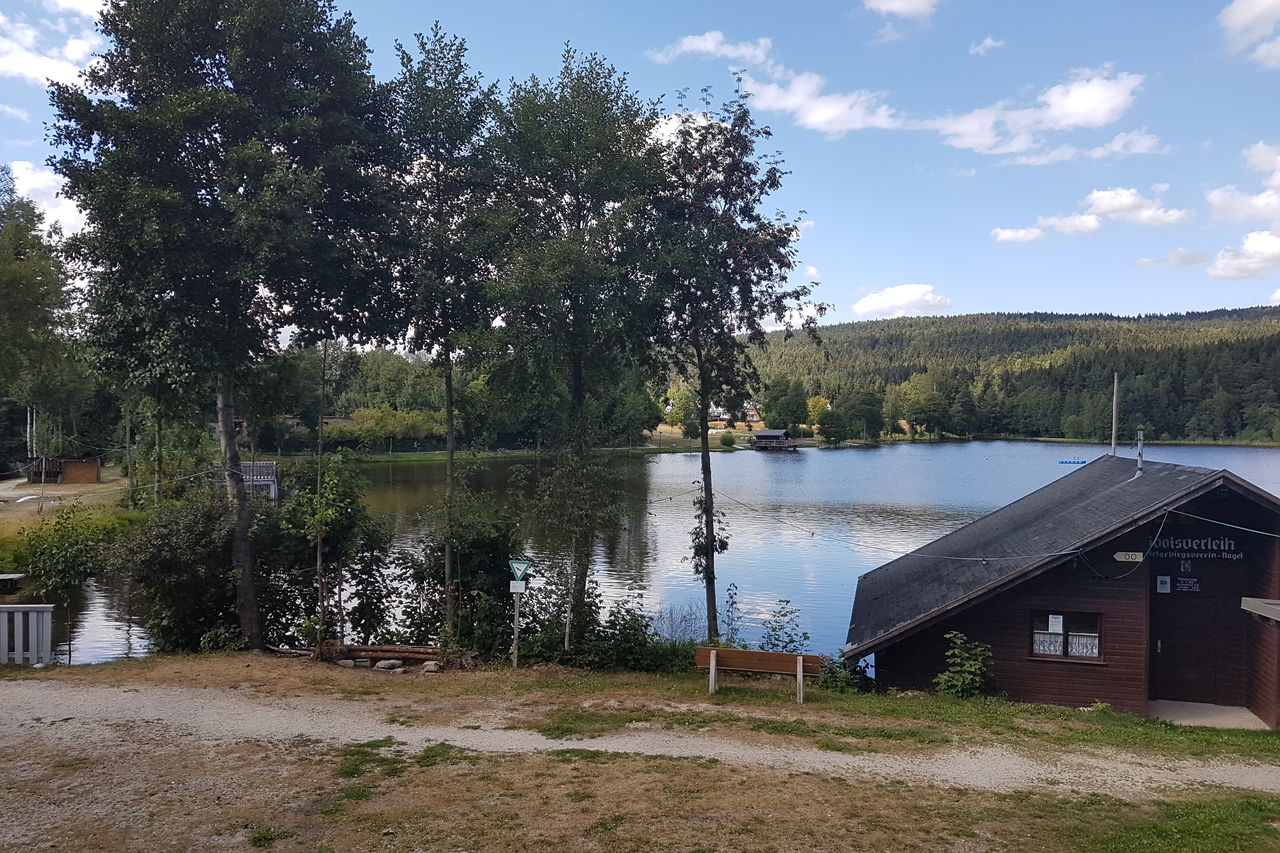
(769, 663)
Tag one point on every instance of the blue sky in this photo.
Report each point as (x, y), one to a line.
(950, 156)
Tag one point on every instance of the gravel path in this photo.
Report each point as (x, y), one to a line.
(83, 715)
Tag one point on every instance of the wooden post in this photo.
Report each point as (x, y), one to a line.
(712, 681)
(800, 679)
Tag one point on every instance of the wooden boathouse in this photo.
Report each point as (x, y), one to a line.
(774, 439)
(1113, 584)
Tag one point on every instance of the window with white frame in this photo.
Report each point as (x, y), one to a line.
(1066, 635)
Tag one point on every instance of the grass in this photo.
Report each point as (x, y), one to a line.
(911, 722)
(268, 836)
(361, 758)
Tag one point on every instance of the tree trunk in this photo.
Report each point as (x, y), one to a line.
(321, 592)
(708, 509)
(238, 495)
(160, 450)
(452, 627)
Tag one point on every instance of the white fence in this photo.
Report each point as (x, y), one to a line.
(26, 633)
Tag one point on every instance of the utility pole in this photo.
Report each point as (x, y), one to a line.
(1115, 409)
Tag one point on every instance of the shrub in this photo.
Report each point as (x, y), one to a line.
(968, 673)
(782, 630)
(62, 553)
(691, 429)
(845, 676)
(728, 439)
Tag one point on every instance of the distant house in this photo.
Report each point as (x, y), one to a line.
(774, 439)
(1104, 585)
(49, 469)
(752, 414)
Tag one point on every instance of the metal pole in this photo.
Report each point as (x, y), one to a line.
(515, 641)
(1115, 409)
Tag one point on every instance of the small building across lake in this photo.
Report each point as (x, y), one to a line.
(774, 439)
(1105, 585)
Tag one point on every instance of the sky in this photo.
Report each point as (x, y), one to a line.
(945, 156)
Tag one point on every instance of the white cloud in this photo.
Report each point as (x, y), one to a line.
(1176, 258)
(988, 43)
(834, 114)
(813, 273)
(1044, 158)
(1078, 223)
(1257, 256)
(14, 112)
(886, 34)
(900, 301)
(1131, 142)
(23, 56)
(964, 173)
(1089, 98)
(1129, 205)
(87, 8)
(1092, 98)
(922, 9)
(1251, 24)
(1230, 203)
(1160, 188)
(712, 43)
(43, 186)
(1275, 298)
(803, 227)
(1016, 235)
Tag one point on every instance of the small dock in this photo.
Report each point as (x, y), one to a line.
(9, 584)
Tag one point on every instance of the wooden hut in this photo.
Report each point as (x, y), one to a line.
(774, 439)
(62, 470)
(1110, 584)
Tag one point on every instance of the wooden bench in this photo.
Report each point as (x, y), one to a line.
(716, 661)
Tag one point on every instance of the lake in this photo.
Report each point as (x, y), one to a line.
(803, 525)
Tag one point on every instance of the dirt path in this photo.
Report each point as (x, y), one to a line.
(82, 716)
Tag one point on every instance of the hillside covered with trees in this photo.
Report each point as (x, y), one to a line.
(1212, 375)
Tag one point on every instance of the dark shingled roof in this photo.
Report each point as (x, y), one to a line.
(1036, 531)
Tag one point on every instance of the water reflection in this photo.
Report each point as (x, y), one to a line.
(802, 525)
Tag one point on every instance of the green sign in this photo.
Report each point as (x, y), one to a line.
(519, 568)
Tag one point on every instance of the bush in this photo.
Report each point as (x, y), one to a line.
(62, 553)
(782, 630)
(691, 429)
(845, 676)
(968, 673)
(728, 439)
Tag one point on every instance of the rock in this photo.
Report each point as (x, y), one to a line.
(363, 662)
(347, 662)
(431, 666)
(397, 671)
(388, 664)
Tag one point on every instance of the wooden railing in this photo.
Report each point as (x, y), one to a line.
(26, 633)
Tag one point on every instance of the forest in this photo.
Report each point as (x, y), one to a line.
(1209, 376)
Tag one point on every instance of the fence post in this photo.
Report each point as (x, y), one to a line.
(712, 680)
(800, 679)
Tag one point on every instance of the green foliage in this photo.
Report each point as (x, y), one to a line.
(969, 668)
(845, 676)
(681, 412)
(222, 638)
(62, 553)
(690, 429)
(728, 439)
(180, 560)
(782, 630)
(1204, 375)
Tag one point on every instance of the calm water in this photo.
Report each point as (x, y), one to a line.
(804, 525)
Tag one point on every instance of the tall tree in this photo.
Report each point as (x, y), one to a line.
(445, 114)
(722, 273)
(579, 170)
(31, 286)
(231, 157)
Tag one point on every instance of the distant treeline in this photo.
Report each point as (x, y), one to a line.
(1212, 375)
